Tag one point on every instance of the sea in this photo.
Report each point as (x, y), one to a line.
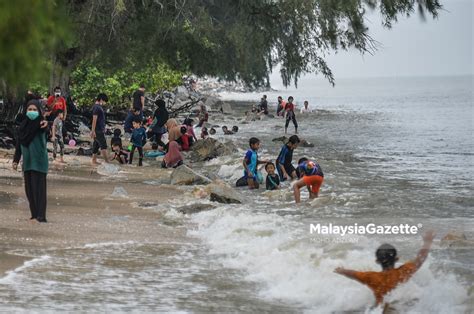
(394, 151)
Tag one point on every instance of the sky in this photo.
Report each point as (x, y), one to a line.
(413, 47)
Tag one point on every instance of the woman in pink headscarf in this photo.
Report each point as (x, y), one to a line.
(174, 130)
(173, 157)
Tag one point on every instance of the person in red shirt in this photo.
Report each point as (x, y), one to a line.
(280, 107)
(390, 277)
(290, 114)
(56, 102)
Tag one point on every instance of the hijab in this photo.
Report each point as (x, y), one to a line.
(161, 114)
(174, 130)
(173, 156)
(30, 128)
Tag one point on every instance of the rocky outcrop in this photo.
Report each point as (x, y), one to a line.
(183, 175)
(210, 148)
(223, 193)
(195, 208)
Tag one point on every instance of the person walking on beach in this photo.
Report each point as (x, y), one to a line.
(381, 283)
(290, 114)
(98, 129)
(31, 145)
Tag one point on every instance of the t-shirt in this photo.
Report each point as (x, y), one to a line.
(98, 111)
(56, 104)
(311, 168)
(264, 106)
(383, 282)
(138, 137)
(304, 110)
(273, 181)
(137, 102)
(58, 123)
(252, 159)
(286, 156)
(290, 106)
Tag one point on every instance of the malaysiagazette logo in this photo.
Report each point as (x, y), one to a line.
(370, 228)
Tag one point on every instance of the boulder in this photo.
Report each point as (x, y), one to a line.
(305, 143)
(195, 208)
(210, 148)
(283, 139)
(213, 102)
(223, 193)
(183, 175)
(226, 108)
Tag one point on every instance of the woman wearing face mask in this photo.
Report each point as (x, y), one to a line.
(31, 144)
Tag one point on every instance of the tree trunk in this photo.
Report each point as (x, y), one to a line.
(63, 64)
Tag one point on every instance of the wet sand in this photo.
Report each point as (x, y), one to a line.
(81, 210)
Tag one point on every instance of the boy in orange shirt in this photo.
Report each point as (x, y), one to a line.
(390, 277)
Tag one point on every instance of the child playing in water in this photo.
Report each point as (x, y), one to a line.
(284, 161)
(390, 277)
(120, 154)
(273, 180)
(251, 162)
(57, 137)
(138, 139)
(204, 133)
(226, 130)
(312, 177)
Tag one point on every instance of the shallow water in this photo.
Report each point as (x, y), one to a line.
(393, 151)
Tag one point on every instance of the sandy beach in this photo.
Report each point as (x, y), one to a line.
(81, 210)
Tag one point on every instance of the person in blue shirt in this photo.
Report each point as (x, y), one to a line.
(284, 161)
(128, 124)
(138, 139)
(251, 162)
(312, 177)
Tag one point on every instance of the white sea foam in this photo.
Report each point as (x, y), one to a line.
(10, 276)
(280, 254)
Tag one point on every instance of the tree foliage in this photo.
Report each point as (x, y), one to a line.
(88, 80)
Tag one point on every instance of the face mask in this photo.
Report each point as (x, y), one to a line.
(32, 115)
(57, 94)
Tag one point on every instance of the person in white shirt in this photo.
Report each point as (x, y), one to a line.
(306, 109)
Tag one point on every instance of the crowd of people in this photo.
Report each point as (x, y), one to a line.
(40, 123)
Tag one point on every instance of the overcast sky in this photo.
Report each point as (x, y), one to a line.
(414, 47)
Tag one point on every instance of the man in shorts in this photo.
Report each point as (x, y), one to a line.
(312, 178)
(98, 129)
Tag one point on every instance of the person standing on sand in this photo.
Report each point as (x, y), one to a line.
(31, 144)
(98, 129)
(55, 103)
(139, 100)
(281, 106)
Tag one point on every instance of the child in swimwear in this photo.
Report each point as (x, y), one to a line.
(284, 161)
(138, 140)
(312, 178)
(390, 277)
(120, 154)
(251, 162)
(204, 133)
(226, 130)
(273, 180)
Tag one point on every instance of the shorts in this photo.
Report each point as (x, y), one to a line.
(314, 182)
(99, 142)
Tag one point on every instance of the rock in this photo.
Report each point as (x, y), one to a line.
(305, 143)
(84, 152)
(223, 193)
(226, 108)
(283, 195)
(195, 208)
(454, 236)
(210, 148)
(183, 175)
(213, 102)
(280, 139)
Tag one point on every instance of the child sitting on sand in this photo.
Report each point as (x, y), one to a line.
(273, 180)
(120, 154)
(390, 277)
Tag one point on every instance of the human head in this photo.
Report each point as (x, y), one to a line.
(290, 99)
(224, 128)
(154, 146)
(280, 98)
(136, 111)
(212, 131)
(188, 122)
(116, 147)
(235, 129)
(386, 256)
(270, 168)
(102, 98)
(142, 87)
(160, 103)
(137, 122)
(302, 160)
(264, 96)
(293, 141)
(306, 104)
(117, 133)
(254, 143)
(33, 106)
(60, 113)
(183, 130)
(57, 91)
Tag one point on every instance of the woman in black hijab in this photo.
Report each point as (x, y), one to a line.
(159, 120)
(31, 144)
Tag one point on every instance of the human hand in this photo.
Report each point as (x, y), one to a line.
(93, 134)
(339, 270)
(44, 124)
(428, 236)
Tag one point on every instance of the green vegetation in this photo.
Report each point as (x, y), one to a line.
(231, 39)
